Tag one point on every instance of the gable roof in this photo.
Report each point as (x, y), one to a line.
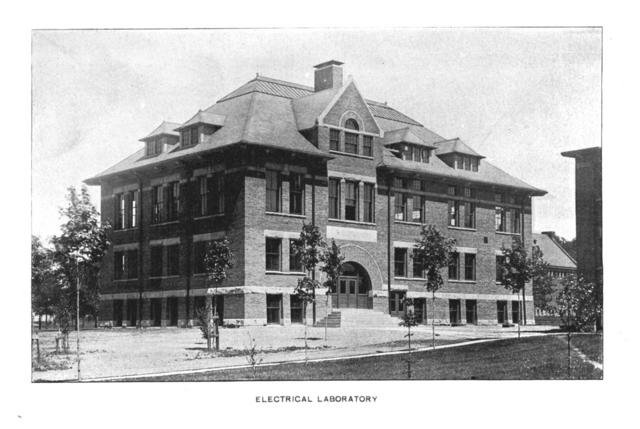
(553, 253)
(455, 146)
(165, 128)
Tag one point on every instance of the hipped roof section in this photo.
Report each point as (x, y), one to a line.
(456, 146)
(165, 128)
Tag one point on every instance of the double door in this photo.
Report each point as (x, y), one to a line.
(352, 293)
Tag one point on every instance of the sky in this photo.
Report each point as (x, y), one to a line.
(517, 96)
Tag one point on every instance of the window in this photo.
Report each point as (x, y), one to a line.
(425, 155)
(118, 265)
(399, 182)
(400, 206)
(272, 252)
(469, 215)
(154, 147)
(185, 136)
(474, 164)
(351, 124)
(295, 262)
(334, 139)
(454, 264)
(499, 263)
(216, 193)
(500, 219)
(417, 266)
(204, 196)
(173, 260)
(195, 136)
(199, 253)
(400, 262)
(369, 202)
(173, 197)
(417, 214)
(367, 145)
(273, 191)
(156, 261)
(467, 163)
(131, 262)
(454, 213)
(133, 200)
(351, 143)
(334, 198)
(515, 221)
(351, 201)
(296, 193)
(118, 211)
(469, 266)
(157, 203)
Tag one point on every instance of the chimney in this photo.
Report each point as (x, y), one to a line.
(328, 75)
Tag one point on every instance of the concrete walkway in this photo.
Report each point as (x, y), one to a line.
(127, 352)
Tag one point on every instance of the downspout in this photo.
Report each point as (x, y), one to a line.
(188, 235)
(389, 181)
(140, 250)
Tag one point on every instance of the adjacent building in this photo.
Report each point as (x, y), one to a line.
(561, 265)
(271, 155)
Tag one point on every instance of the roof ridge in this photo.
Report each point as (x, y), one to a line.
(282, 82)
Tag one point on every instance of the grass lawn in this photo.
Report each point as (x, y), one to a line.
(531, 358)
(588, 345)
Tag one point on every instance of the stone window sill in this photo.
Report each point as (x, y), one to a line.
(355, 155)
(462, 281)
(285, 273)
(407, 222)
(297, 216)
(174, 276)
(209, 216)
(414, 279)
(507, 233)
(353, 222)
(462, 228)
(124, 280)
(133, 228)
(171, 222)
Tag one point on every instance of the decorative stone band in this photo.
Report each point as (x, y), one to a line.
(466, 250)
(208, 236)
(446, 295)
(228, 290)
(281, 234)
(165, 241)
(352, 234)
(125, 188)
(166, 179)
(351, 176)
(125, 246)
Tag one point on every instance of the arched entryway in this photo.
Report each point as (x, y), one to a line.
(354, 287)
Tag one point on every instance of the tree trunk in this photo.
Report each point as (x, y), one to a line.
(433, 320)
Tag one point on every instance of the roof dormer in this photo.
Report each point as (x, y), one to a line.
(407, 145)
(202, 124)
(456, 154)
(160, 138)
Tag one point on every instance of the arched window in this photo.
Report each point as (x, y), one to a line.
(351, 124)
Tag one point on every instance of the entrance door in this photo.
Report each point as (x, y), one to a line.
(454, 311)
(471, 307)
(397, 303)
(353, 288)
(502, 312)
(274, 309)
(156, 311)
(172, 309)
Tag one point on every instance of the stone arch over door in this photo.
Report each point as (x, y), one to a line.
(355, 253)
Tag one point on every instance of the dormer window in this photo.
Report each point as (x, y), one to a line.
(190, 136)
(154, 147)
(464, 162)
(415, 153)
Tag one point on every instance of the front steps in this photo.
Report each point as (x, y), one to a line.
(358, 318)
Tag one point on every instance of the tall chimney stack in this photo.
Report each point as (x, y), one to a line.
(328, 75)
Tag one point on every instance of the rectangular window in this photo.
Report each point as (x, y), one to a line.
(425, 155)
(367, 145)
(157, 203)
(515, 221)
(156, 261)
(133, 209)
(334, 139)
(118, 265)
(216, 193)
(467, 163)
(186, 138)
(334, 198)
(272, 252)
(457, 161)
(199, 253)
(469, 215)
(500, 218)
(454, 213)
(173, 199)
(351, 143)
(417, 266)
(295, 263)
(204, 196)
(173, 260)
(195, 135)
(417, 213)
(369, 202)
(469, 266)
(400, 207)
(454, 265)
(296, 193)
(118, 211)
(273, 191)
(474, 164)
(131, 262)
(398, 182)
(400, 262)
(499, 263)
(351, 200)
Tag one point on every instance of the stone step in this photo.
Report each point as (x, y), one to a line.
(358, 318)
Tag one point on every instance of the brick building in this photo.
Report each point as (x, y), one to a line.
(271, 155)
(588, 170)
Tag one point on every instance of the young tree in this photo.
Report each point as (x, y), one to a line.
(78, 251)
(578, 304)
(309, 248)
(218, 261)
(332, 266)
(433, 251)
(409, 320)
(42, 279)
